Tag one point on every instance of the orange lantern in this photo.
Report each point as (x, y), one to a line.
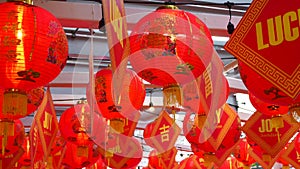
(34, 49)
(131, 98)
(34, 99)
(170, 46)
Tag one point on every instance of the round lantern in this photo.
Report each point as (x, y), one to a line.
(77, 125)
(154, 160)
(241, 153)
(205, 95)
(170, 46)
(12, 136)
(34, 99)
(34, 49)
(263, 89)
(131, 98)
(267, 108)
(230, 163)
(192, 162)
(78, 157)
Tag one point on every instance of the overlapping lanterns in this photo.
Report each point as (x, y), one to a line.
(32, 41)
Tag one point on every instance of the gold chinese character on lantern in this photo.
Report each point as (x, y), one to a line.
(164, 131)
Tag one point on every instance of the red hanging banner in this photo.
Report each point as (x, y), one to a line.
(263, 158)
(270, 133)
(267, 40)
(291, 155)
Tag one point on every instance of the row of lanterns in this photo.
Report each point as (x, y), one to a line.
(170, 48)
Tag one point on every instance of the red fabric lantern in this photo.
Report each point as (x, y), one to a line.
(34, 99)
(263, 89)
(241, 153)
(154, 160)
(12, 136)
(79, 157)
(34, 49)
(203, 95)
(131, 98)
(192, 162)
(170, 46)
(75, 124)
(267, 108)
(230, 163)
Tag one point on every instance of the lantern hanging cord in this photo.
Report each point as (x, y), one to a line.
(230, 26)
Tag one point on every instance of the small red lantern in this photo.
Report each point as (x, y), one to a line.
(267, 108)
(230, 163)
(241, 153)
(193, 162)
(12, 136)
(170, 46)
(75, 124)
(34, 49)
(34, 99)
(131, 97)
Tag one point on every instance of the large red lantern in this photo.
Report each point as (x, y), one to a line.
(241, 153)
(34, 49)
(170, 46)
(267, 108)
(131, 97)
(34, 99)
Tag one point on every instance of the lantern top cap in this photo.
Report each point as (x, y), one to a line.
(168, 7)
(24, 1)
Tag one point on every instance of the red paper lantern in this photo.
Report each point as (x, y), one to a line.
(241, 153)
(170, 46)
(154, 160)
(12, 136)
(230, 163)
(79, 157)
(75, 125)
(203, 95)
(131, 98)
(34, 99)
(34, 49)
(263, 89)
(267, 108)
(192, 162)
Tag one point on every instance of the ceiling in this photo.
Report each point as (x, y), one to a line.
(81, 22)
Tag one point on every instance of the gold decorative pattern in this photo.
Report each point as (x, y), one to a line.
(289, 84)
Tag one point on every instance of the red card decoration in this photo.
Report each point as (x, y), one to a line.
(268, 31)
(270, 133)
(291, 155)
(163, 133)
(263, 158)
(209, 133)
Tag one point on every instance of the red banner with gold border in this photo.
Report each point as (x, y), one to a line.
(267, 40)
(270, 133)
(164, 133)
(291, 155)
(264, 159)
(167, 159)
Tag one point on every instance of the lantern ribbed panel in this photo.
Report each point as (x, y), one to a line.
(170, 47)
(33, 45)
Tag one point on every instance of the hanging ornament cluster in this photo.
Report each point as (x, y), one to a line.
(170, 46)
(32, 43)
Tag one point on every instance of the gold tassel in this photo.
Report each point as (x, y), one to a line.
(6, 130)
(117, 124)
(14, 103)
(285, 167)
(172, 96)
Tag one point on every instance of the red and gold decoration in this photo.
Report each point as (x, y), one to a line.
(230, 163)
(121, 151)
(267, 108)
(271, 134)
(291, 155)
(242, 155)
(162, 133)
(209, 132)
(193, 162)
(131, 97)
(268, 31)
(173, 36)
(32, 43)
(164, 160)
(207, 93)
(10, 161)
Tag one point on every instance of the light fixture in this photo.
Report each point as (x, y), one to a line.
(151, 106)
